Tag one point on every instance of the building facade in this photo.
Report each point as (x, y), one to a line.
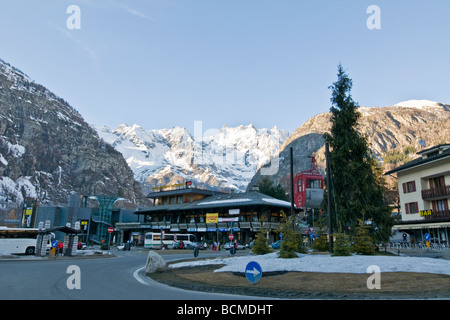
(210, 216)
(424, 193)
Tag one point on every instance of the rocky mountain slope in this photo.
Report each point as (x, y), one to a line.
(406, 124)
(224, 159)
(48, 151)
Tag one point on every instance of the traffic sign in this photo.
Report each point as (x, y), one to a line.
(110, 230)
(54, 243)
(231, 237)
(427, 236)
(253, 272)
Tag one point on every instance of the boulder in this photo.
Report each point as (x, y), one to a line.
(155, 263)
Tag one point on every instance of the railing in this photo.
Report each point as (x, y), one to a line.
(419, 245)
(436, 192)
(439, 215)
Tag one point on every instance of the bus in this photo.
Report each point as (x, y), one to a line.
(18, 240)
(153, 240)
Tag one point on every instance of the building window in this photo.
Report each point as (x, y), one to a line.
(437, 182)
(412, 207)
(409, 187)
(440, 205)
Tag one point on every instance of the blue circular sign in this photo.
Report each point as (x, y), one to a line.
(427, 236)
(253, 272)
(54, 243)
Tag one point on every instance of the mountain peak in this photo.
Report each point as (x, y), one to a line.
(224, 159)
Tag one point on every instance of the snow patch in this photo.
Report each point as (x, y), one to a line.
(326, 263)
(418, 104)
(223, 201)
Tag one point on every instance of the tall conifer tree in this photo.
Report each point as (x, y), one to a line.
(356, 190)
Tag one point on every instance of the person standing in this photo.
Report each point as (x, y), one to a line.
(60, 248)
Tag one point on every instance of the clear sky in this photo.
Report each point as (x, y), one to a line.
(165, 63)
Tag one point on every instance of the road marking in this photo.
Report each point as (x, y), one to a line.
(138, 278)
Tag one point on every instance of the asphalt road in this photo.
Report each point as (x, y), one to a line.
(119, 277)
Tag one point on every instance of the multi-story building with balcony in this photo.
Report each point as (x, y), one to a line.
(424, 192)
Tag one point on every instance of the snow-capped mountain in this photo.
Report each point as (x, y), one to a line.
(392, 128)
(223, 159)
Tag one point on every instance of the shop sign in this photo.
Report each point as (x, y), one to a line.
(212, 218)
(228, 219)
(424, 213)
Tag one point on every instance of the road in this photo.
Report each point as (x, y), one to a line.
(120, 277)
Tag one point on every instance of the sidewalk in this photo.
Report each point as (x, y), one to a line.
(81, 254)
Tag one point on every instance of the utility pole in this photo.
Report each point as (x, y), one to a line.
(292, 182)
(330, 208)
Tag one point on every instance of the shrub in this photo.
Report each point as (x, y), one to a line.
(362, 241)
(342, 246)
(261, 246)
(292, 243)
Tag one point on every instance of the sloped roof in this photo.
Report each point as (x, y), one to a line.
(238, 199)
(228, 200)
(181, 191)
(421, 161)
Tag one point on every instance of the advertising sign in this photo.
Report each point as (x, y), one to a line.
(212, 218)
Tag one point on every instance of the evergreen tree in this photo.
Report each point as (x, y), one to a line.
(342, 246)
(292, 239)
(356, 190)
(261, 246)
(267, 187)
(320, 242)
(362, 242)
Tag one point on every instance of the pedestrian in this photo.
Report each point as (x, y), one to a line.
(60, 248)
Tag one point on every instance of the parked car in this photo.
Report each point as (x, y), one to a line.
(124, 246)
(194, 245)
(228, 245)
(276, 245)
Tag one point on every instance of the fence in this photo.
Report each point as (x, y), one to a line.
(418, 245)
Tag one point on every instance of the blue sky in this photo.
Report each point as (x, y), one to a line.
(165, 63)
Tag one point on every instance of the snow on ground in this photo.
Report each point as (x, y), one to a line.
(326, 263)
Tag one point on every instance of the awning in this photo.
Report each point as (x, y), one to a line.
(435, 225)
(63, 229)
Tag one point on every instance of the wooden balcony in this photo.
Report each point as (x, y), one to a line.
(435, 193)
(439, 216)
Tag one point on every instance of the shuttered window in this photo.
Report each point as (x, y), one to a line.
(409, 186)
(412, 207)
